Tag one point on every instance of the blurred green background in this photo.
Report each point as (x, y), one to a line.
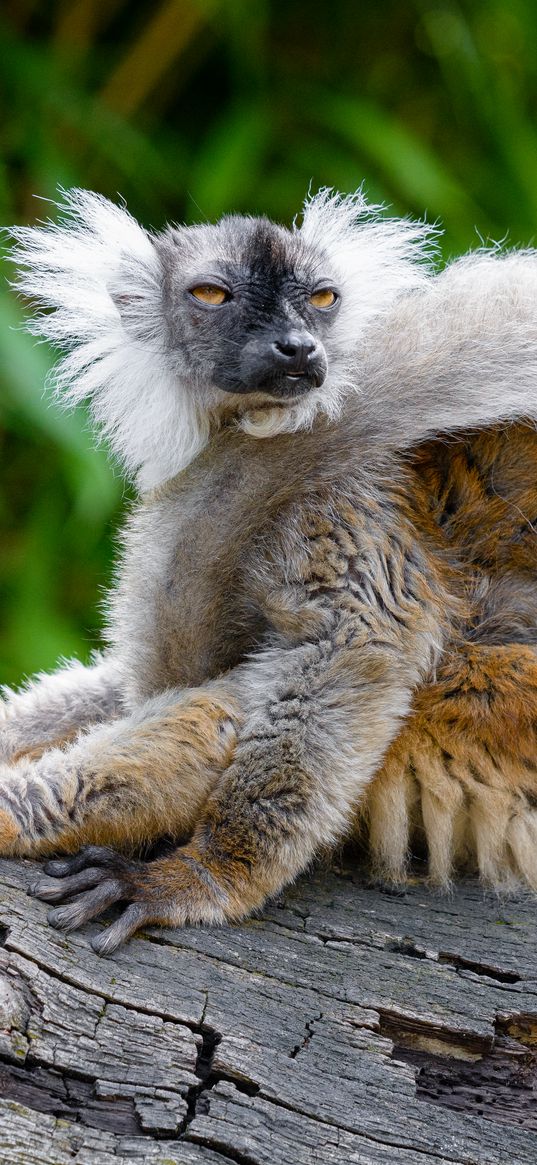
(189, 108)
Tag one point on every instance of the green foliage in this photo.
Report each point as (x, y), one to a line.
(189, 108)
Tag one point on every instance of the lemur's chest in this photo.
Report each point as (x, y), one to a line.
(182, 613)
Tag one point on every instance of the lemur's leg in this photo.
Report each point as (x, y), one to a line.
(317, 719)
(53, 708)
(464, 770)
(123, 783)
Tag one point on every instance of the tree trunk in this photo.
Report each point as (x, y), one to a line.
(347, 1026)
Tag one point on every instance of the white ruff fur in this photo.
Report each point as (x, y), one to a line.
(82, 267)
(377, 258)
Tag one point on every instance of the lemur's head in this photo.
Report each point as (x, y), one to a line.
(250, 306)
(246, 322)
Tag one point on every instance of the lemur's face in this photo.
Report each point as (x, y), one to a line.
(250, 307)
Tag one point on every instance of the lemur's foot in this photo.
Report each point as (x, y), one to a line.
(169, 892)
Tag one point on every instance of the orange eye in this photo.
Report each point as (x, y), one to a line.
(323, 298)
(209, 293)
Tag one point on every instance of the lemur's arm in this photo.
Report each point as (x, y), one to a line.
(52, 709)
(461, 352)
(320, 717)
(122, 783)
(318, 709)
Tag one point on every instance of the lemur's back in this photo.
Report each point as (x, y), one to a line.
(481, 494)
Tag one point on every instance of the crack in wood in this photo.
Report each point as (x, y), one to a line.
(308, 1036)
(486, 969)
(411, 1031)
(101, 993)
(225, 1150)
(328, 1126)
(406, 946)
(72, 1096)
(80, 1097)
(497, 1082)
(500, 1086)
(198, 1102)
(67, 1096)
(196, 1096)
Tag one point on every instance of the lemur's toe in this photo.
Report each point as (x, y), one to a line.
(108, 941)
(87, 884)
(56, 889)
(87, 905)
(89, 855)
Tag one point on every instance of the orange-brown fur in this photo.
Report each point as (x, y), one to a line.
(133, 792)
(463, 772)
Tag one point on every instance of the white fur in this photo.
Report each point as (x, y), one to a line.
(376, 258)
(267, 422)
(118, 361)
(459, 354)
(51, 706)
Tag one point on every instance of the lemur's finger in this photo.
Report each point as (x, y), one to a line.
(87, 906)
(131, 920)
(56, 889)
(89, 855)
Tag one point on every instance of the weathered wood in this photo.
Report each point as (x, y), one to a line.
(347, 1026)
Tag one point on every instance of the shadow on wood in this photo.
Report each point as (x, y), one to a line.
(347, 1026)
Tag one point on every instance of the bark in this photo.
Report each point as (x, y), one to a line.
(347, 1026)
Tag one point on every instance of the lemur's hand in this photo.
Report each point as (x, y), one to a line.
(171, 892)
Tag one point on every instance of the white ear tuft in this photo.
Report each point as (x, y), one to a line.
(377, 258)
(100, 273)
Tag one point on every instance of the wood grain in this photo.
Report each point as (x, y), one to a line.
(348, 1025)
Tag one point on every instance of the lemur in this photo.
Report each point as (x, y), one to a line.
(326, 605)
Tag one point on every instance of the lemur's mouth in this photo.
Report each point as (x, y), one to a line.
(280, 387)
(289, 387)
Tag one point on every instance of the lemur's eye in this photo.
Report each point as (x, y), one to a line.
(323, 298)
(210, 293)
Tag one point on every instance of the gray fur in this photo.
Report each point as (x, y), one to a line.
(277, 567)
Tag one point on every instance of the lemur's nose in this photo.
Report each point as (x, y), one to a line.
(292, 352)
